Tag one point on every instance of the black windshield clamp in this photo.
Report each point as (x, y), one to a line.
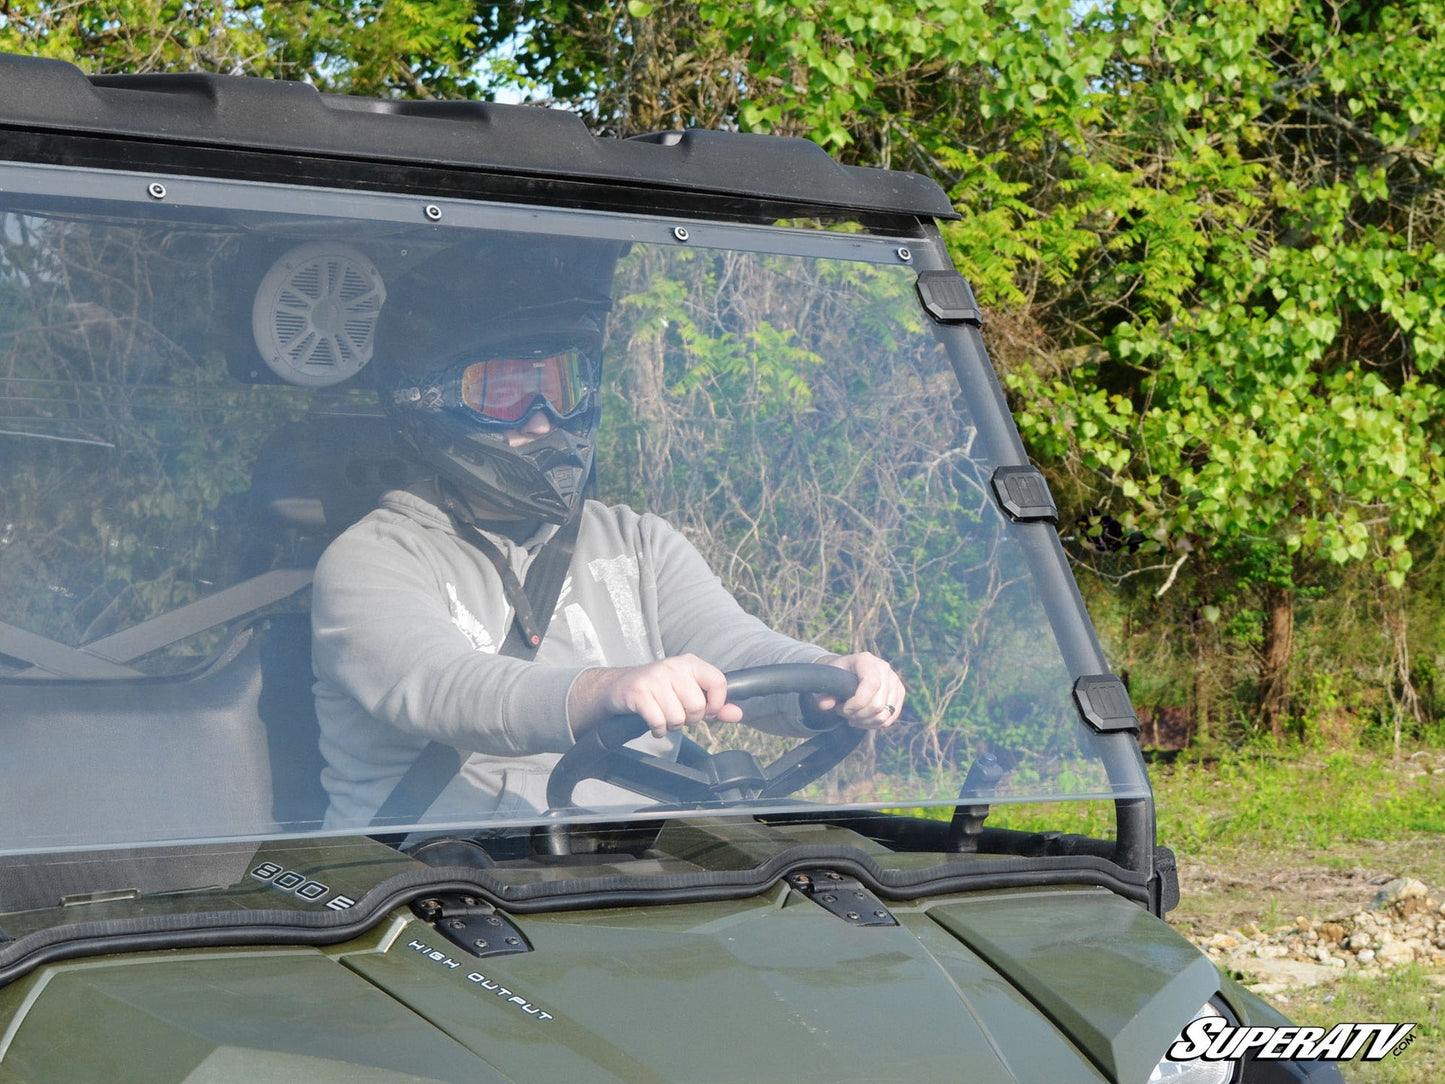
(470, 923)
(948, 298)
(1024, 495)
(1104, 703)
(843, 896)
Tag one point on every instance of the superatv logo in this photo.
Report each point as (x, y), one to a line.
(1215, 1039)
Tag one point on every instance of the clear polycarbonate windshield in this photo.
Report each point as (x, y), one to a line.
(235, 604)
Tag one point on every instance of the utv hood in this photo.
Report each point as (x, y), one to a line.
(1052, 984)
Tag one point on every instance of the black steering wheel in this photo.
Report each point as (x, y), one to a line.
(699, 778)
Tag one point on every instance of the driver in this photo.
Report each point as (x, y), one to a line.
(423, 635)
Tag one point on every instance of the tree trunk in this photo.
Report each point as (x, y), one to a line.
(1275, 659)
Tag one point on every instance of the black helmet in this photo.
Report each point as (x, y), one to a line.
(479, 338)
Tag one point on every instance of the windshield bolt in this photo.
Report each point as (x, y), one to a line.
(479, 943)
(680, 232)
(156, 190)
(469, 901)
(830, 898)
(433, 212)
(493, 920)
(851, 916)
(904, 255)
(513, 941)
(880, 914)
(457, 924)
(832, 876)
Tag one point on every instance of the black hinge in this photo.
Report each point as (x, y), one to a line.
(1024, 495)
(844, 897)
(1104, 703)
(472, 924)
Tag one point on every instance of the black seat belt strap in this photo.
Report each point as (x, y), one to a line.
(540, 593)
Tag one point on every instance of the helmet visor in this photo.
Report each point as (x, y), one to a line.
(505, 391)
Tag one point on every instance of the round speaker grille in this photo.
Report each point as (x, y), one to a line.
(315, 313)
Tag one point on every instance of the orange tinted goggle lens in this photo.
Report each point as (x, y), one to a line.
(504, 389)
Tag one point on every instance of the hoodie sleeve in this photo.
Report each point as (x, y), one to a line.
(383, 636)
(697, 614)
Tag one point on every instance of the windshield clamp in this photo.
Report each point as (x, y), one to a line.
(470, 923)
(947, 297)
(1024, 495)
(843, 896)
(1103, 701)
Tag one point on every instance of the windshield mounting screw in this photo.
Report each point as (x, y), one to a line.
(433, 212)
(851, 916)
(513, 941)
(905, 255)
(156, 190)
(829, 898)
(880, 914)
(479, 943)
(457, 924)
(680, 232)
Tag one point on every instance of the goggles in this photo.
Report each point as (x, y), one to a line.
(507, 391)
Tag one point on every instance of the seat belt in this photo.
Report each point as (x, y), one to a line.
(532, 606)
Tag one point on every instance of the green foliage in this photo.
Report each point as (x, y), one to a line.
(1208, 237)
(795, 418)
(387, 48)
(127, 436)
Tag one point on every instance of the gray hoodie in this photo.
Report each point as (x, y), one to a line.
(408, 618)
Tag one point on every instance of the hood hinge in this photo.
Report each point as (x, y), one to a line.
(843, 896)
(472, 924)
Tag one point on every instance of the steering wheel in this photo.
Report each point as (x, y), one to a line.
(700, 778)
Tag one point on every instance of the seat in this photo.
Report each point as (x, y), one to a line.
(312, 480)
(128, 760)
(98, 752)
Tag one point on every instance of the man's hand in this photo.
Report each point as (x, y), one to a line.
(668, 695)
(878, 699)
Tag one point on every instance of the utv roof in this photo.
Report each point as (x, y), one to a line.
(234, 113)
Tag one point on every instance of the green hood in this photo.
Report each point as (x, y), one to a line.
(1052, 984)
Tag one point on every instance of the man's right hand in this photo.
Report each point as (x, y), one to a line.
(667, 695)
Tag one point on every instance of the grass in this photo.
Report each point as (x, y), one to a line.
(1407, 994)
(1270, 797)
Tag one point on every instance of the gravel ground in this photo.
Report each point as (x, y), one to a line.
(1404, 923)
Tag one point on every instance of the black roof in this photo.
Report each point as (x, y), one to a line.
(270, 116)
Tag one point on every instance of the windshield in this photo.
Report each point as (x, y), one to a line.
(248, 450)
